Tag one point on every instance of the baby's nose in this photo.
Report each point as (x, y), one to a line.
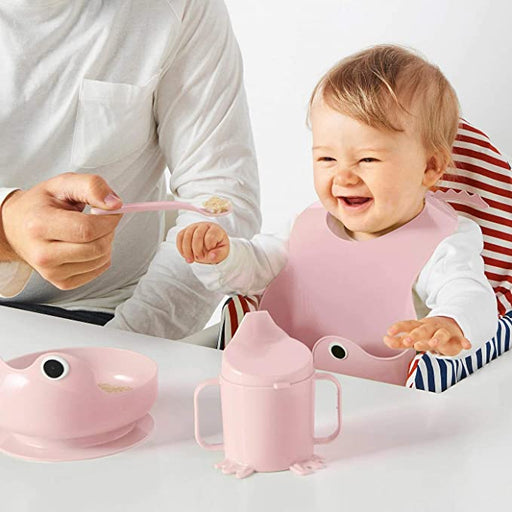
(345, 176)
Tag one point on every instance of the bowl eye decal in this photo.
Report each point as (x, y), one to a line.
(55, 367)
(338, 351)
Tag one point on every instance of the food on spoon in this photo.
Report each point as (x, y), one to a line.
(217, 205)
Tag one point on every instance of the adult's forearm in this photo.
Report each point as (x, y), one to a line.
(203, 119)
(204, 133)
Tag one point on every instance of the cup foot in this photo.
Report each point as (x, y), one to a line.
(309, 466)
(229, 467)
(239, 470)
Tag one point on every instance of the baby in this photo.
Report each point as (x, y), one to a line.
(383, 124)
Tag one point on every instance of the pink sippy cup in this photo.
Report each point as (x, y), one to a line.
(267, 386)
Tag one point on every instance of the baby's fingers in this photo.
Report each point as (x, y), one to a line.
(180, 244)
(466, 344)
(450, 345)
(214, 237)
(403, 326)
(198, 242)
(394, 341)
(440, 339)
(420, 336)
(185, 245)
(216, 244)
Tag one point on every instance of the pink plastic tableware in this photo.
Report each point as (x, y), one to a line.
(267, 386)
(152, 206)
(75, 403)
(341, 355)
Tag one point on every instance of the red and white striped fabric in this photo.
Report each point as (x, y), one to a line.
(481, 169)
(233, 312)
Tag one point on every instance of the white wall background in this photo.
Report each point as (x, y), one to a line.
(287, 45)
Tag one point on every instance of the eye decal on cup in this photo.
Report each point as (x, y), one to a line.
(338, 351)
(54, 367)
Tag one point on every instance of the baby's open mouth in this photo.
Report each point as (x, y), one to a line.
(355, 200)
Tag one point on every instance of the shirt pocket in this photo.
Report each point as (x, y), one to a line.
(113, 120)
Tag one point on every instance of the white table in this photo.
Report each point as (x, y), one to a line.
(399, 449)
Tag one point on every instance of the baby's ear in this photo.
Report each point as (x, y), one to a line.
(434, 170)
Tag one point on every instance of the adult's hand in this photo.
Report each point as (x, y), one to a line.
(45, 227)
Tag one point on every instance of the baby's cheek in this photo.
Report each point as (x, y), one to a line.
(320, 186)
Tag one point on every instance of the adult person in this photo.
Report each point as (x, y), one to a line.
(96, 99)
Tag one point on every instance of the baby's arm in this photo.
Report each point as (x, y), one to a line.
(454, 287)
(232, 265)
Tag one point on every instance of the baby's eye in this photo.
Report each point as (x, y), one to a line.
(368, 160)
(326, 159)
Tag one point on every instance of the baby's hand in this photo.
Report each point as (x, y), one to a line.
(203, 242)
(437, 334)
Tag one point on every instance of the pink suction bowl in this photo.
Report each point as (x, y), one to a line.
(75, 403)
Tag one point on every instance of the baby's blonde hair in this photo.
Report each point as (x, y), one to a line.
(376, 85)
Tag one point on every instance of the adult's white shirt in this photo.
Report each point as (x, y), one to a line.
(123, 89)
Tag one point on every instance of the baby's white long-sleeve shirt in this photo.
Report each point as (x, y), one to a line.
(451, 284)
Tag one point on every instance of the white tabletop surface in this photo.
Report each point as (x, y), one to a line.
(399, 449)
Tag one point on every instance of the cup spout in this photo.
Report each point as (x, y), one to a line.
(260, 329)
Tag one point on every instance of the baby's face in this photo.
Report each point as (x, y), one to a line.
(373, 181)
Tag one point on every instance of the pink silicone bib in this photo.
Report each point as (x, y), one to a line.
(333, 286)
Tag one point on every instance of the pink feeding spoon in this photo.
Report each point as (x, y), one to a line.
(214, 207)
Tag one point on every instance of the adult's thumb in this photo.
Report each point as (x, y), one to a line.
(88, 189)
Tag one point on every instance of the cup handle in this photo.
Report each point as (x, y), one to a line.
(329, 438)
(200, 441)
